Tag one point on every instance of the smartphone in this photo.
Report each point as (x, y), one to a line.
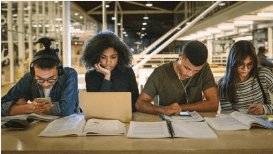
(47, 100)
(185, 113)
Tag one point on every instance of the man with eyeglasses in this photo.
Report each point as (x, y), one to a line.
(180, 84)
(47, 78)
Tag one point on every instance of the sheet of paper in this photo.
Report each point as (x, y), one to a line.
(192, 130)
(148, 130)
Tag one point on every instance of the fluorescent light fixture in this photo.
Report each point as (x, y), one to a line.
(226, 27)
(143, 28)
(245, 38)
(149, 4)
(59, 19)
(213, 30)
(144, 23)
(118, 24)
(265, 14)
(243, 22)
(203, 33)
(113, 18)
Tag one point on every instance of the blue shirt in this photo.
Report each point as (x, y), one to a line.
(64, 93)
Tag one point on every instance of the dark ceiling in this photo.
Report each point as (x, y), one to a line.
(157, 24)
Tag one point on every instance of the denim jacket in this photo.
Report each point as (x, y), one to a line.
(64, 93)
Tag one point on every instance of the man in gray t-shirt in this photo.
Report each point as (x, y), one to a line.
(180, 84)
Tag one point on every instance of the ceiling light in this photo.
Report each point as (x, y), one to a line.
(143, 28)
(118, 24)
(265, 14)
(113, 18)
(144, 23)
(146, 17)
(107, 6)
(222, 4)
(81, 17)
(58, 19)
(149, 4)
(124, 32)
(76, 14)
(243, 22)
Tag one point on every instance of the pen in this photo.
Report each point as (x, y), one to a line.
(170, 128)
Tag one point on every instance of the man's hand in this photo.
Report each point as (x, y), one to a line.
(21, 101)
(173, 109)
(256, 109)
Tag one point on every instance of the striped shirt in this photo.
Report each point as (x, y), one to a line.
(247, 95)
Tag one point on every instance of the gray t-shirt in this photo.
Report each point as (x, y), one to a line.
(165, 83)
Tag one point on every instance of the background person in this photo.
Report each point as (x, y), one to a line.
(109, 59)
(262, 59)
(47, 78)
(240, 87)
(180, 84)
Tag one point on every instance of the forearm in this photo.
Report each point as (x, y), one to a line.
(202, 106)
(18, 109)
(146, 107)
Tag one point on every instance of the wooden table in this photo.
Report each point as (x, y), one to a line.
(254, 141)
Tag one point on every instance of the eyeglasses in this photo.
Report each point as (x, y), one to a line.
(242, 66)
(44, 80)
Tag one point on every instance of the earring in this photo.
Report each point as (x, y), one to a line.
(179, 61)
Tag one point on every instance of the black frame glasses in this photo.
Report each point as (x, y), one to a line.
(242, 66)
(44, 80)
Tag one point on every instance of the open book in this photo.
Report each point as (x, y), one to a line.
(24, 120)
(237, 121)
(76, 125)
(169, 128)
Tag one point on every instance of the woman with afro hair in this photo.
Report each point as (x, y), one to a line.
(108, 60)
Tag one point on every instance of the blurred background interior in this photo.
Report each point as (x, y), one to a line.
(155, 31)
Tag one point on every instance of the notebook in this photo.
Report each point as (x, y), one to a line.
(106, 105)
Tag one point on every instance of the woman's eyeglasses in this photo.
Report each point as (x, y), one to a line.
(242, 66)
(44, 80)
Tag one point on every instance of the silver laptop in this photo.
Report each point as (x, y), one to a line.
(106, 105)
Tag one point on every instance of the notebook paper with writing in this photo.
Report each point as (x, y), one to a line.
(236, 121)
(173, 129)
(76, 125)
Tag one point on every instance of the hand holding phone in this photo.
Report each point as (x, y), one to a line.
(47, 100)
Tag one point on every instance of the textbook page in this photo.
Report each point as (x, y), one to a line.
(104, 127)
(148, 130)
(248, 120)
(192, 130)
(225, 123)
(70, 125)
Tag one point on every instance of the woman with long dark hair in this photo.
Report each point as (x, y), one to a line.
(245, 85)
